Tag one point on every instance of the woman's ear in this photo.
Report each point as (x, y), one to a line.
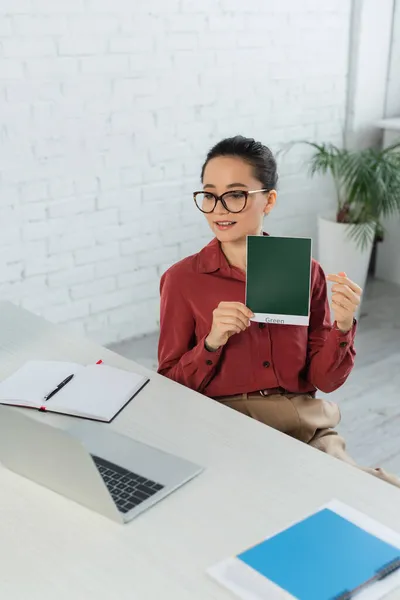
(270, 201)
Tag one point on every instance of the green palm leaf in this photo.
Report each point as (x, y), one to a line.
(367, 185)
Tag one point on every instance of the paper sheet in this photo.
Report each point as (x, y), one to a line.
(34, 380)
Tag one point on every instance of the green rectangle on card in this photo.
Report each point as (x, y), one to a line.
(278, 279)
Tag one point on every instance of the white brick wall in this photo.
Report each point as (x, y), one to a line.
(107, 108)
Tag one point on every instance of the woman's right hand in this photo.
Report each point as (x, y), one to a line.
(228, 318)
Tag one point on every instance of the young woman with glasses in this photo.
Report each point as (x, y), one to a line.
(208, 341)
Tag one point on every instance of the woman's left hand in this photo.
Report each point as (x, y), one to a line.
(346, 298)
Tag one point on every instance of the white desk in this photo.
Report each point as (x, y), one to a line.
(256, 481)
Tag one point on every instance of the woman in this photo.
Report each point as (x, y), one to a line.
(207, 339)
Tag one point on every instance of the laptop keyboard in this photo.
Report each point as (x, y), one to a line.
(127, 489)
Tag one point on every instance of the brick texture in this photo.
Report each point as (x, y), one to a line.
(107, 108)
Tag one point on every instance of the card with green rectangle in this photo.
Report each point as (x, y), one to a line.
(278, 279)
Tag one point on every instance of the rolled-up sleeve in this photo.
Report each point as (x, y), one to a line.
(330, 353)
(181, 357)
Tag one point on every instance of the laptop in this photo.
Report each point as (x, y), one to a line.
(109, 473)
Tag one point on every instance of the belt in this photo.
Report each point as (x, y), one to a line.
(279, 390)
(269, 392)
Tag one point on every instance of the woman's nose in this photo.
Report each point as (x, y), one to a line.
(220, 208)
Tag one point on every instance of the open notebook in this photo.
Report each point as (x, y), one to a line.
(97, 392)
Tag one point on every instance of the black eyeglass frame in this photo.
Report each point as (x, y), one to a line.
(220, 198)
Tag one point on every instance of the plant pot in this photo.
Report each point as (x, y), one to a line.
(337, 252)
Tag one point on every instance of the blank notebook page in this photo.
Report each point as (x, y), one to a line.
(36, 379)
(98, 391)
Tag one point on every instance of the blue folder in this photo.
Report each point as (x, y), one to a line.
(323, 557)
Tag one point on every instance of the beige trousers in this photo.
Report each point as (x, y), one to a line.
(310, 420)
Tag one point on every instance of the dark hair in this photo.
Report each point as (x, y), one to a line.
(254, 153)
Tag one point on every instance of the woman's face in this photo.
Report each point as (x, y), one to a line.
(229, 173)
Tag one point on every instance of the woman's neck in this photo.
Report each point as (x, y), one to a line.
(235, 253)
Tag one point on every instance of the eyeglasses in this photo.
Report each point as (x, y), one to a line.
(233, 201)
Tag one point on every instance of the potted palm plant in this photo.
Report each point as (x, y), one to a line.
(367, 185)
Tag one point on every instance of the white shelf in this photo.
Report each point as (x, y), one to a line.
(389, 124)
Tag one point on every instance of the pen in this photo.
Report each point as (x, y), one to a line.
(58, 388)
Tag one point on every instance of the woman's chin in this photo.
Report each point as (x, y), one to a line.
(229, 235)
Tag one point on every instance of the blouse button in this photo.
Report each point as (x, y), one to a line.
(266, 364)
